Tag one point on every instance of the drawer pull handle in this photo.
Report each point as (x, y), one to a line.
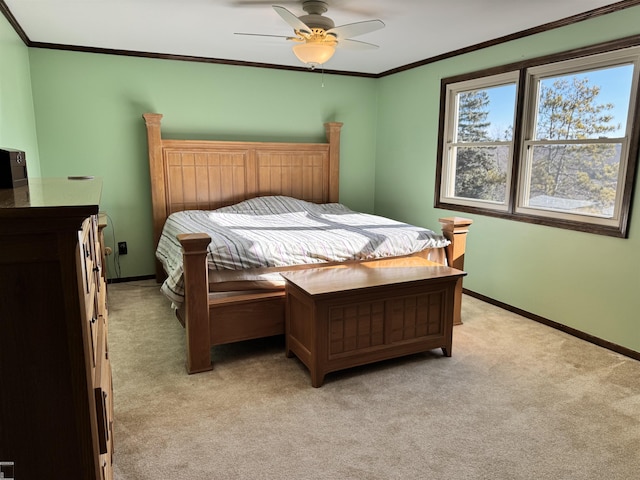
(103, 421)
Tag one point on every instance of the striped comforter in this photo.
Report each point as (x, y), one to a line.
(280, 231)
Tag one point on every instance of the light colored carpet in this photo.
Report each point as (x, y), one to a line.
(517, 400)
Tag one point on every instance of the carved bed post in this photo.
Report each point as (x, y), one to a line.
(333, 137)
(456, 229)
(196, 308)
(156, 170)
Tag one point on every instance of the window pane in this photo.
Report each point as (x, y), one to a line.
(574, 178)
(592, 104)
(481, 172)
(486, 114)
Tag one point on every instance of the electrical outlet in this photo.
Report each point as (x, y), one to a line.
(122, 248)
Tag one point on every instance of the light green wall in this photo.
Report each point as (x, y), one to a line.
(89, 117)
(17, 122)
(584, 281)
(88, 109)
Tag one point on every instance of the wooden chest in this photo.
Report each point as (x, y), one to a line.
(347, 315)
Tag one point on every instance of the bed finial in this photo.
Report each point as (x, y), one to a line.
(153, 121)
(152, 118)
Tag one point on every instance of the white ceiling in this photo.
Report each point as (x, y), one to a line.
(415, 30)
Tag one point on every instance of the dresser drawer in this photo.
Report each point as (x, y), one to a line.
(86, 254)
(106, 469)
(91, 313)
(103, 393)
(102, 299)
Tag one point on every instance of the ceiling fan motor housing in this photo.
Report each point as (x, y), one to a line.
(317, 21)
(314, 17)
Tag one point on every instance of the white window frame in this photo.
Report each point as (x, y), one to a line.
(526, 75)
(575, 66)
(451, 142)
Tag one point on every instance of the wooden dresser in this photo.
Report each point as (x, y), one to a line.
(56, 405)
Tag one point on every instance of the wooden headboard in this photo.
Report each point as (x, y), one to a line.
(205, 174)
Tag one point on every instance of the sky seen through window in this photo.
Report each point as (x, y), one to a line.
(615, 88)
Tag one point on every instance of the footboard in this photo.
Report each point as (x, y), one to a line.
(211, 321)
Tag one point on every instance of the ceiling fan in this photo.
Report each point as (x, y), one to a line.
(316, 36)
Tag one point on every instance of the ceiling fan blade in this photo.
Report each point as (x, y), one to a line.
(354, 29)
(261, 35)
(292, 20)
(356, 45)
(335, 5)
(261, 3)
(289, 39)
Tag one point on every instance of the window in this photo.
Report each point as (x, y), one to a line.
(552, 143)
(480, 147)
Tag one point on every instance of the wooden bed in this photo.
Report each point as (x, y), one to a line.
(205, 175)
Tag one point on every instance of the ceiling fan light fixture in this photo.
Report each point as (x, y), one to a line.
(314, 54)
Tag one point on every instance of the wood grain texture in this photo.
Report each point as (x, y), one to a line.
(208, 174)
(339, 318)
(196, 284)
(456, 230)
(196, 174)
(53, 335)
(205, 174)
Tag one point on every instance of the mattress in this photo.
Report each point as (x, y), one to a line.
(265, 234)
